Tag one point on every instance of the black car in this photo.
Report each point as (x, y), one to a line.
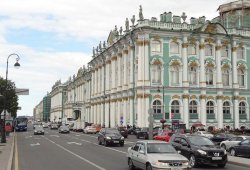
(243, 148)
(123, 131)
(218, 138)
(143, 133)
(109, 136)
(133, 131)
(199, 150)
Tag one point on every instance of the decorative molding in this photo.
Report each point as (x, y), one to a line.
(193, 64)
(193, 97)
(176, 97)
(219, 97)
(225, 67)
(242, 98)
(225, 43)
(241, 45)
(174, 39)
(201, 46)
(192, 41)
(234, 49)
(209, 40)
(202, 96)
(210, 98)
(184, 45)
(114, 57)
(226, 98)
(174, 63)
(125, 51)
(218, 47)
(236, 97)
(143, 95)
(156, 37)
(185, 96)
(157, 96)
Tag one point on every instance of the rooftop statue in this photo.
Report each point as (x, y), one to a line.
(100, 46)
(104, 44)
(93, 51)
(140, 14)
(126, 25)
(120, 30)
(133, 20)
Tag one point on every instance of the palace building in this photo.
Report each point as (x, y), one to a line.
(194, 71)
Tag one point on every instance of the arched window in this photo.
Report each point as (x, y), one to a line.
(191, 49)
(193, 107)
(241, 77)
(240, 53)
(174, 75)
(193, 75)
(224, 52)
(157, 106)
(210, 107)
(225, 77)
(156, 73)
(226, 108)
(174, 48)
(156, 46)
(242, 108)
(209, 76)
(208, 50)
(175, 107)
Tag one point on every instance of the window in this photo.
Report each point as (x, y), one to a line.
(156, 73)
(210, 107)
(224, 52)
(192, 75)
(156, 46)
(193, 107)
(242, 108)
(225, 77)
(174, 48)
(191, 49)
(209, 76)
(226, 108)
(208, 50)
(157, 106)
(136, 147)
(175, 107)
(174, 75)
(240, 53)
(241, 77)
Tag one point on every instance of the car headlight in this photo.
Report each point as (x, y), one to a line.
(122, 138)
(202, 152)
(185, 163)
(225, 152)
(108, 137)
(160, 164)
(35, 131)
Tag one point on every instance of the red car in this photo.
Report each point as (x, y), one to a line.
(164, 136)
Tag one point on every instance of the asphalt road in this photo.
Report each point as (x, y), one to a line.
(74, 151)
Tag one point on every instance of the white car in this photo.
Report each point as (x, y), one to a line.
(89, 129)
(233, 141)
(204, 133)
(155, 155)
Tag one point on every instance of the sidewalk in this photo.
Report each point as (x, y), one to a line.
(6, 153)
(239, 161)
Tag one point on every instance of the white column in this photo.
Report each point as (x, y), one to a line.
(96, 81)
(202, 64)
(131, 117)
(139, 112)
(236, 110)
(220, 111)
(131, 58)
(107, 76)
(102, 113)
(218, 65)
(186, 110)
(113, 75)
(125, 56)
(140, 62)
(118, 113)
(147, 106)
(119, 71)
(146, 62)
(103, 81)
(106, 114)
(112, 117)
(234, 63)
(185, 82)
(203, 112)
(124, 112)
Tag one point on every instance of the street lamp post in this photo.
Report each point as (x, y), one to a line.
(16, 65)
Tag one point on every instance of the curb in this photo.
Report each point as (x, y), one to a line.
(9, 167)
(239, 164)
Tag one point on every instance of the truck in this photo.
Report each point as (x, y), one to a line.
(20, 123)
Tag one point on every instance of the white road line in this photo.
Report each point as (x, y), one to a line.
(35, 144)
(78, 156)
(74, 143)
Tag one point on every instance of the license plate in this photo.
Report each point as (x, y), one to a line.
(216, 158)
(176, 168)
(116, 141)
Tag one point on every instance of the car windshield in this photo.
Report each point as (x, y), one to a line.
(39, 128)
(144, 129)
(160, 148)
(112, 131)
(64, 127)
(204, 132)
(200, 141)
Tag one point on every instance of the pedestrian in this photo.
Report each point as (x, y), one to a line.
(8, 128)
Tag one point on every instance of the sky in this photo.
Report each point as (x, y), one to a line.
(54, 38)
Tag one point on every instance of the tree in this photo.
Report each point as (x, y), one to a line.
(11, 97)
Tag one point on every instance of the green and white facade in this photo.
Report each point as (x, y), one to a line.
(196, 72)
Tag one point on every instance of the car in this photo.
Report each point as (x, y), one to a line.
(242, 149)
(63, 129)
(36, 124)
(123, 131)
(204, 133)
(199, 150)
(143, 133)
(54, 126)
(38, 130)
(45, 125)
(233, 141)
(109, 136)
(164, 136)
(89, 129)
(133, 131)
(218, 138)
(157, 155)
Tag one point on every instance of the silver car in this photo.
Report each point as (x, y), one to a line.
(156, 155)
(233, 141)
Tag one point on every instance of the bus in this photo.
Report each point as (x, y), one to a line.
(20, 123)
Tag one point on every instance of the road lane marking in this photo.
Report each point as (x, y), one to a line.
(78, 135)
(16, 155)
(28, 137)
(35, 144)
(55, 136)
(78, 156)
(37, 138)
(74, 143)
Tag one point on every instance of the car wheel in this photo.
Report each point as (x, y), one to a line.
(99, 142)
(105, 143)
(130, 164)
(233, 152)
(148, 167)
(224, 146)
(192, 161)
(221, 165)
(122, 144)
(137, 136)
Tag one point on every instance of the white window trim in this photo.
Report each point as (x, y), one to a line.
(155, 52)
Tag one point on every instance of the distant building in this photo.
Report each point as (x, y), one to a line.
(46, 108)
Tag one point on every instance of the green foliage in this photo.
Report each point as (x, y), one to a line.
(11, 97)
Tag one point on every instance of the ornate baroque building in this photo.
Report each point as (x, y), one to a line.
(194, 72)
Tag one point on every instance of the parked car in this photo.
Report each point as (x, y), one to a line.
(153, 154)
(63, 129)
(54, 126)
(233, 141)
(45, 125)
(164, 136)
(143, 133)
(242, 149)
(123, 131)
(90, 129)
(38, 130)
(204, 133)
(108, 136)
(199, 150)
(133, 131)
(218, 138)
